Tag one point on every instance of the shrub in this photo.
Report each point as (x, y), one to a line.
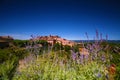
(20, 43)
(9, 60)
(7, 69)
(47, 68)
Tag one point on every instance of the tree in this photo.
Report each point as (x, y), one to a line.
(67, 48)
(57, 46)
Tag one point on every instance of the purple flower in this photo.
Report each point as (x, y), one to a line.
(97, 34)
(99, 75)
(106, 37)
(81, 58)
(86, 57)
(87, 35)
(74, 55)
(103, 58)
(101, 37)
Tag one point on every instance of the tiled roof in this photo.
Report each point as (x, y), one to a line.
(57, 38)
(5, 38)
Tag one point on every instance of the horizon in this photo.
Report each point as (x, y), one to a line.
(64, 38)
(69, 19)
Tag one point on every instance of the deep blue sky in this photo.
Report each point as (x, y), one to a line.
(67, 18)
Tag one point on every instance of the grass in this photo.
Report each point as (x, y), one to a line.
(49, 67)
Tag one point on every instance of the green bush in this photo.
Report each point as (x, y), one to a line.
(9, 60)
(116, 60)
(67, 48)
(57, 47)
(20, 43)
(7, 69)
(4, 55)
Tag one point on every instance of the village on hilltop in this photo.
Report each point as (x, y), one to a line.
(5, 40)
(56, 39)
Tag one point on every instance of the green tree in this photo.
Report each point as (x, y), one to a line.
(67, 48)
(20, 43)
(57, 46)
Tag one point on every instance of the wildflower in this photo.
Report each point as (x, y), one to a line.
(87, 35)
(99, 75)
(101, 37)
(74, 55)
(81, 58)
(103, 58)
(106, 37)
(97, 34)
(86, 57)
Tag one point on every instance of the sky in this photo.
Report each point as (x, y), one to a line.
(70, 19)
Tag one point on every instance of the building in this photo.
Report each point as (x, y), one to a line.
(54, 39)
(5, 41)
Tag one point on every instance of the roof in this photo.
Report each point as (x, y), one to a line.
(5, 38)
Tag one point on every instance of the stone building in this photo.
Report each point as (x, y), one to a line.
(54, 39)
(5, 41)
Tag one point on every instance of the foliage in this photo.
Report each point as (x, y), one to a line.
(75, 48)
(57, 46)
(59, 62)
(7, 69)
(20, 43)
(56, 68)
(116, 60)
(42, 42)
(9, 60)
(4, 55)
(67, 48)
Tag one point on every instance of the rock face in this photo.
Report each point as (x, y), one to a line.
(5, 41)
(54, 39)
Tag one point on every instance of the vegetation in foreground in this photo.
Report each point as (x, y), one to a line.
(60, 62)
